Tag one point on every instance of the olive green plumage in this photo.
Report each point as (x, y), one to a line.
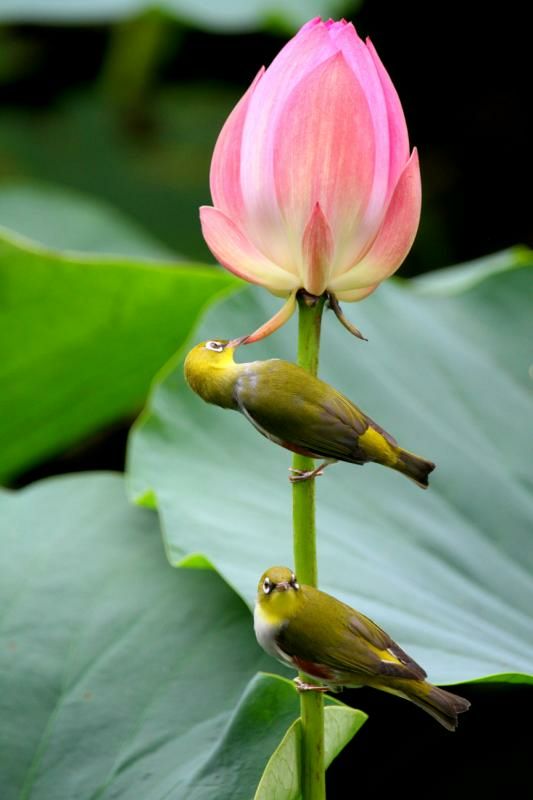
(336, 645)
(296, 410)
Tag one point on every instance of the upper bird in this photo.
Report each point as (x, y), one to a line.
(296, 410)
(335, 644)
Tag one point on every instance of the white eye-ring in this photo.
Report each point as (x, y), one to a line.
(216, 346)
(267, 585)
(294, 582)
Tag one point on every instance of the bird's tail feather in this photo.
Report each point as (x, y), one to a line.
(443, 706)
(414, 467)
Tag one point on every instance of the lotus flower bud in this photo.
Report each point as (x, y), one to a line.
(312, 181)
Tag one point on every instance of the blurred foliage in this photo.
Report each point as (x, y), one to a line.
(81, 336)
(61, 219)
(220, 16)
(155, 169)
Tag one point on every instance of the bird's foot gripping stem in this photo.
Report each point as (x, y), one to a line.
(302, 475)
(306, 475)
(302, 686)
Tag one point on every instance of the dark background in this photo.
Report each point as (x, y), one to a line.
(463, 78)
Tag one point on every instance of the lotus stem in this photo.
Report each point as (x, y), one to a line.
(312, 772)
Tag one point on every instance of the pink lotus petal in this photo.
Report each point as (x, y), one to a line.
(394, 238)
(310, 177)
(225, 174)
(300, 56)
(311, 24)
(336, 25)
(324, 148)
(398, 135)
(317, 249)
(362, 64)
(235, 252)
(353, 295)
(275, 322)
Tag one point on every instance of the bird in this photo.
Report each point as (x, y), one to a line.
(333, 643)
(296, 410)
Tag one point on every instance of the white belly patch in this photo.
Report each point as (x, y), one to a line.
(266, 634)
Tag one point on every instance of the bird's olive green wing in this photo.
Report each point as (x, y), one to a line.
(376, 636)
(300, 412)
(332, 634)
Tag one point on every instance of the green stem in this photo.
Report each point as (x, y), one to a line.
(305, 560)
(137, 47)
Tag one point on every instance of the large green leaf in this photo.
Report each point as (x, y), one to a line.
(222, 15)
(448, 571)
(268, 707)
(80, 339)
(120, 677)
(281, 778)
(66, 220)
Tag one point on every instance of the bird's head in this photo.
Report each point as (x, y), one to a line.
(213, 353)
(278, 593)
(209, 359)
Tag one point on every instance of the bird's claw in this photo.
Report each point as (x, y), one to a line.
(302, 686)
(304, 475)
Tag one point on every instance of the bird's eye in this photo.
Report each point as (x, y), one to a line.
(267, 585)
(294, 582)
(216, 346)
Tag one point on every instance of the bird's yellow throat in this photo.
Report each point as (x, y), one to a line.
(211, 374)
(279, 606)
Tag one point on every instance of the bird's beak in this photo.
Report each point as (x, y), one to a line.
(234, 343)
(283, 586)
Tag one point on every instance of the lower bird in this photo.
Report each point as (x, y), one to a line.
(336, 645)
(297, 411)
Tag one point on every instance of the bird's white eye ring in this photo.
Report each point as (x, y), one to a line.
(214, 345)
(267, 585)
(294, 582)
